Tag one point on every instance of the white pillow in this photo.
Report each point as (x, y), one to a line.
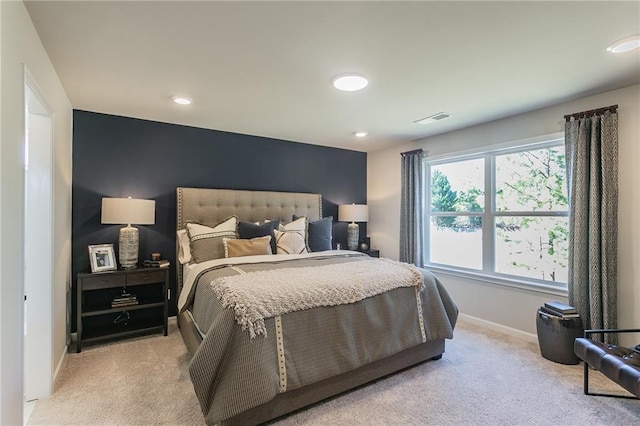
(290, 238)
(184, 248)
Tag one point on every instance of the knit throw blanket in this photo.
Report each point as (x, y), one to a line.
(255, 296)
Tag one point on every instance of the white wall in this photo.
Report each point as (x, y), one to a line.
(4, 400)
(20, 45)
(514, 307)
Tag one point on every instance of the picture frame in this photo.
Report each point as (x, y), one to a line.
(102, 257)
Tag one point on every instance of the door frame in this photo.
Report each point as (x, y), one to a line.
(38, 345)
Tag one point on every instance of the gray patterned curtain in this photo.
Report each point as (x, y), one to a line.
(411, 209)
(592, 175)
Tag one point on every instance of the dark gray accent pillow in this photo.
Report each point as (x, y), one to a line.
(319, 233)
(248, 230)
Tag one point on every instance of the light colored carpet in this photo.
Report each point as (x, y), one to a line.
(140, 381)
(484, 378)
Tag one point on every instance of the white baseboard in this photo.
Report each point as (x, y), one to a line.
(63, 358)
(529, 337)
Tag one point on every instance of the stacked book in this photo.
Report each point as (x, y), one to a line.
(559, 309)
(155, 263)
(125, 299)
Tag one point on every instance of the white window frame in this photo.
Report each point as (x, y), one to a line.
(488, 274)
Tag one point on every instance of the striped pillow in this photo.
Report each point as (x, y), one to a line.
(206, 242)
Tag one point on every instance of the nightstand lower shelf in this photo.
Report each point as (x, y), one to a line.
(122, 308)
(113, 332)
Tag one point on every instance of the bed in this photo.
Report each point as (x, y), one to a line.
(257, 351)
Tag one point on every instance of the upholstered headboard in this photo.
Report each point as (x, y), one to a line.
(211, 206)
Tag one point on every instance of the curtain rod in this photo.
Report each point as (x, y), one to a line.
(415, 151)
(577, 115)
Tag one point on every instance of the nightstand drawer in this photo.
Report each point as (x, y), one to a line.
(103, 281)
(145, 277)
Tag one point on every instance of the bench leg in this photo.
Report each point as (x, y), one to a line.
(586, 386)
(586, 378)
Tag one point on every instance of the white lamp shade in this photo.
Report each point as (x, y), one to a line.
(128, 211)
(353, 213)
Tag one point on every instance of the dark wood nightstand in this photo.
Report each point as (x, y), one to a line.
(372, 253)
(98, 319)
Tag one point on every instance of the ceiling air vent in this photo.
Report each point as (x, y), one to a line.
(433, 118)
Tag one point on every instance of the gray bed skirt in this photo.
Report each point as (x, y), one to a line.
(290, 401)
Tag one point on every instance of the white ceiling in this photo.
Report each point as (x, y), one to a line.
(264, 68)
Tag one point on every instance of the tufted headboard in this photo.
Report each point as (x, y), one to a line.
(211, 206)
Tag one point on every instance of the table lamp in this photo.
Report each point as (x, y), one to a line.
(353, 213)
(128, 211)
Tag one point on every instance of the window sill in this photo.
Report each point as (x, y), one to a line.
(500, 280)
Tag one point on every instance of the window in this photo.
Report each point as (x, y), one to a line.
(502, 212)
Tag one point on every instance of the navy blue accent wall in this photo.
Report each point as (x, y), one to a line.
(117, 156)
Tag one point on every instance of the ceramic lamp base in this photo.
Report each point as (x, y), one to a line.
(128, 251)
(353, 234)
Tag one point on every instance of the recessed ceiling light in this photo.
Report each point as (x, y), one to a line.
(625, 44)
(360, 134)
(182, 100)
(349, 82)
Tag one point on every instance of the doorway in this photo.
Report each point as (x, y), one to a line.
(38, 240)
